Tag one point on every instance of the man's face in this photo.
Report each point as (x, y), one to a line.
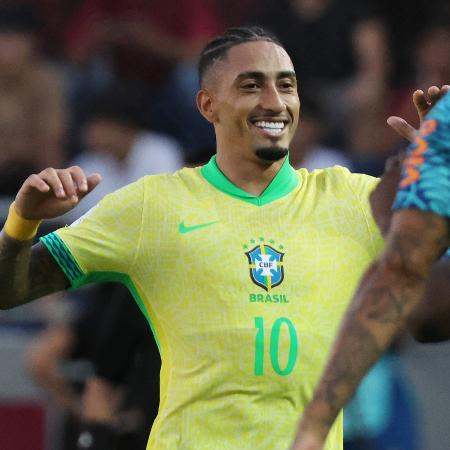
(16, 50)
(255, 101)
(107, 136)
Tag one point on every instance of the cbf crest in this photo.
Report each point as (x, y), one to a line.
(265, 264)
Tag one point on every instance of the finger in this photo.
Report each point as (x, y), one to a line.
(402, 127)
(36, 182)
(444, 89)
(68, 183)
(50, 176)
(80, 178)
(93, 181)
(434, 94)
(420, 102)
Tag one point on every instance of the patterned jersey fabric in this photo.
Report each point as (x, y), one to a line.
(244, 294)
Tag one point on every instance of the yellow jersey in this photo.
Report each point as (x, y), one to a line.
(243, 294)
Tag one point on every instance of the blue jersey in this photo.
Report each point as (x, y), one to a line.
(425, 181)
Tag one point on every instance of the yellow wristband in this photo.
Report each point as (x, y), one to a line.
(18, 227)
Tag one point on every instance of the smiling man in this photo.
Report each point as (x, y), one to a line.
(243, 267)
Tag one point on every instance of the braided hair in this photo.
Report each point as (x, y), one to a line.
(217, 48)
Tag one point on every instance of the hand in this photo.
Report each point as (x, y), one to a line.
(53, 192)
(423, 104)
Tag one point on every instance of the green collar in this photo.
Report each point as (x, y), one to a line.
(285, 181)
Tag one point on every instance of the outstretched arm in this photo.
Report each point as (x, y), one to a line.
(430, 320)
(388, 293)
(28, 272)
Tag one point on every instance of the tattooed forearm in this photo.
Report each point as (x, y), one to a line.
(387, 295)
(26, 273)
(367, 331)
(14, 262)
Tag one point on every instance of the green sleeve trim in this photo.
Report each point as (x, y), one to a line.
(77, 278)
(56, 246)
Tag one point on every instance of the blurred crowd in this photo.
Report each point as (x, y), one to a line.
(357, 62)
(110, 85)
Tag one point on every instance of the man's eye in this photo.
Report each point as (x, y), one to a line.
(250, 86)
(287, 85)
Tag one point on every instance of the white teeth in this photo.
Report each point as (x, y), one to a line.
(270, 125)
(273, 128)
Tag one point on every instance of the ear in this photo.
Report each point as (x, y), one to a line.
(205, 105)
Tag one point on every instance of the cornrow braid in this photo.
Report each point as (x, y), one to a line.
(217, 48)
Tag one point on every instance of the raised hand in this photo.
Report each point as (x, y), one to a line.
(423, 103)
(53, 192)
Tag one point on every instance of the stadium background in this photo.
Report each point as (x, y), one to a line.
(66, 63)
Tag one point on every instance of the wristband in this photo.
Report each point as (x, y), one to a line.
(19, 228)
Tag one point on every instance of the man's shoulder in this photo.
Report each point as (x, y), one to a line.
(339, 182)
(186, 179)
(333, 174)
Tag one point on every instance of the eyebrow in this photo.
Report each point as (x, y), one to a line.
(261, 75)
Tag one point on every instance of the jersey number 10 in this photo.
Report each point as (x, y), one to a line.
(274, 346)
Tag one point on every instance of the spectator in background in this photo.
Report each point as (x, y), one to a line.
(53, 17)
(156, 42)
(340, 52)
(121, 398)
(431, 59)
(101, 370)
(120, 145)
(32, 104)
(308, 149)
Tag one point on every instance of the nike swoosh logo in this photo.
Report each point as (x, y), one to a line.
(183, 229)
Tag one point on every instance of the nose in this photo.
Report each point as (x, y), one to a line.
(271, 99)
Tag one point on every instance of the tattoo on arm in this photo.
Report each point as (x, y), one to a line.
(388, 293)
(27, 272)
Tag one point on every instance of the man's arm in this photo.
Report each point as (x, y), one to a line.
(430, 320)
(28, 272)
(388, 293)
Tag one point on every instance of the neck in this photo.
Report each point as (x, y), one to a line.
(252, 176)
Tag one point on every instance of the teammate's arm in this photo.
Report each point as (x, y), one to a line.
(28, 272)
(430, 321)
(388, 293)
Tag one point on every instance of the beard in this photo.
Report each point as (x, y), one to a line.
(271, 154)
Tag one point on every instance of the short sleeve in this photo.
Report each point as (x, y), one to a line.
(362, 186)
(101, 245)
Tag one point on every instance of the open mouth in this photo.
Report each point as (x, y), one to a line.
(270, 127)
